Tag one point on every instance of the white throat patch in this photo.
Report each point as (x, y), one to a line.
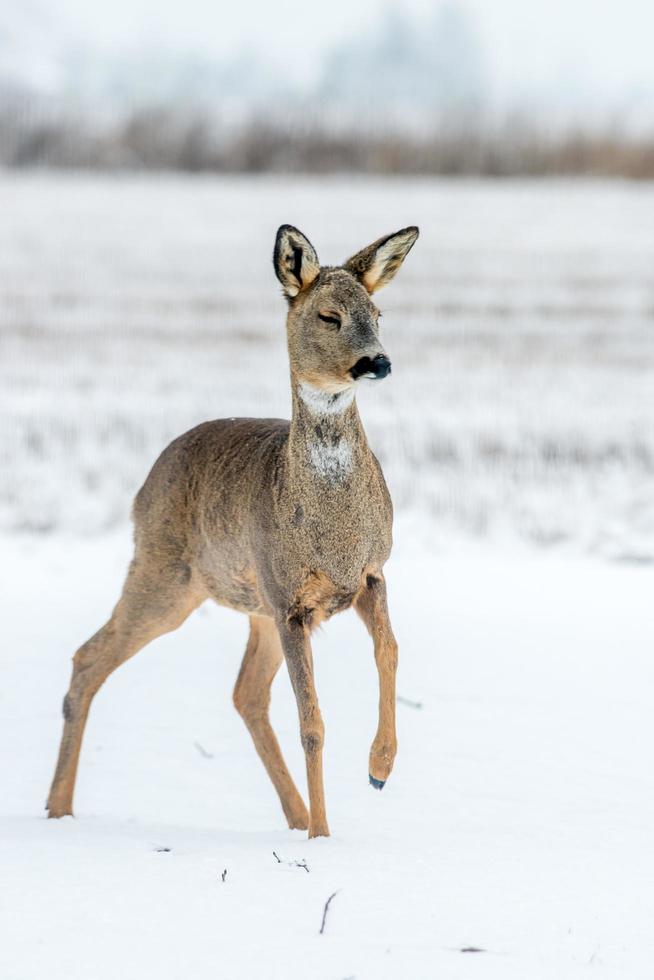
(323, 402)
(331, 462)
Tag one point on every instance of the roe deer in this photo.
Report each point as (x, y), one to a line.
(286, 522)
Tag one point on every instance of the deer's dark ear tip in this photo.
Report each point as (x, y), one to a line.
(284, 229)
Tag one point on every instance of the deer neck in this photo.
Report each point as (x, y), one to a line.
(327, 443)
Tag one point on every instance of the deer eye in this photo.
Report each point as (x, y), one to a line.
(332, 320)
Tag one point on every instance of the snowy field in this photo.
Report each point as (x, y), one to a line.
(514, 838)
(521, 331)
(518, 820)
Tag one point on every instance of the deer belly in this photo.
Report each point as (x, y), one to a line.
(236, 588)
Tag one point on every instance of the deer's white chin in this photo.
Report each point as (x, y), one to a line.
(321, 401)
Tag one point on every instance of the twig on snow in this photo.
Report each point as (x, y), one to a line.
(203, 752)
(325, 911)
(408, 702)
(224, 874)
(292, 864)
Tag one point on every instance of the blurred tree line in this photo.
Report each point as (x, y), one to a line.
(402, 98)
(192, 140)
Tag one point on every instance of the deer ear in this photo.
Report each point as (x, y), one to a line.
(295, 260)
(376, 265)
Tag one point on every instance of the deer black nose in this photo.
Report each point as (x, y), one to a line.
(376, 367)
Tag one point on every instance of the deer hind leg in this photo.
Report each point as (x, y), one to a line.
(263, 656)
(371, 606)
(152, 603)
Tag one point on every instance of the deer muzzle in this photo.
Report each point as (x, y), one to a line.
(375, 368)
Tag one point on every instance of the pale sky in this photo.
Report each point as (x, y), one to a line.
(531, 44)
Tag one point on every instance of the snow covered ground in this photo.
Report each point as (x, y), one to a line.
(517, 437)
(518, 820)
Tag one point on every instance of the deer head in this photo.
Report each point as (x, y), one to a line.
(332, 323)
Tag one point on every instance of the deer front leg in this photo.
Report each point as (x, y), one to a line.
(371, 606)
(297, 652)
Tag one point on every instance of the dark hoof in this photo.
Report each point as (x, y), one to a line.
(376, 783)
